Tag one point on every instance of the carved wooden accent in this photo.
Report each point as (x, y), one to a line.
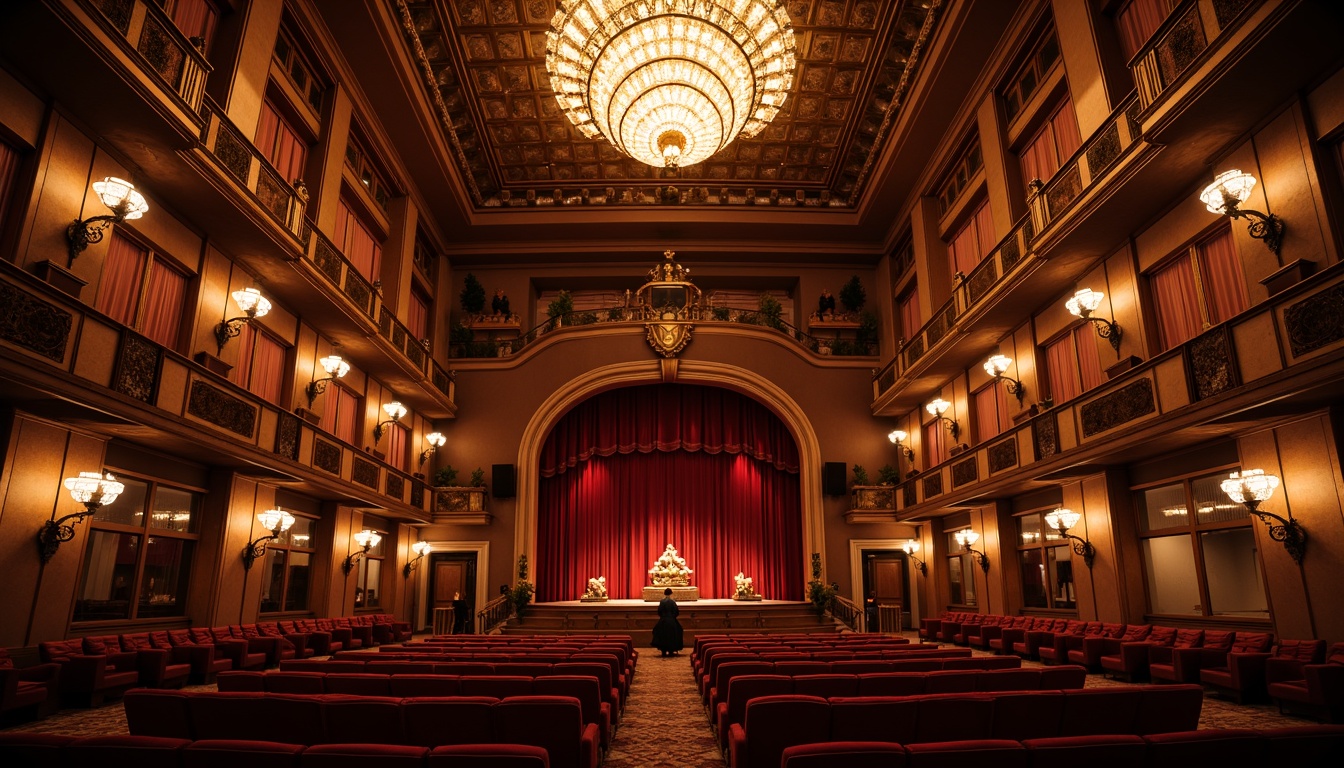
(396, 485)
(1212, 363)
(139, 362)
(1316, 321)
(212, 404)
(1123, 405)
(1045, 430)
(34, 324)
(287, 436)
(909, 494)
(327, 456)
(365, 473)
(964, 472)
(933, 485)
(1002, 455)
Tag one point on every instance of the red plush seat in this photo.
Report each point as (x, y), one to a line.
(1241, 673)
(1166, 709)
(407, 686)
(138, 751)
(554, 723)
(356, 684)
(1129, 659)
(892, 684)
(1093, 711)
(955, 717)
(87, 679)
(165, 667)
(1181, 664)
(585, 690)
(498, 686)
(33, 750)
(1007, 680)
(1319, 690)
(874, 718)
(1104, 751)
(1305, 746)
(151, 712)
(28, 691)
(1028, 715)
(844, 754)
(1063, 678)
(826, 686)
(774, 723)
(363, 756)
(958, 754)
(231, 753)
(434, 722)
(371, 719)
(950, 681)
(741, 690)
(238, 649)
(1229, 747)
(488, 756)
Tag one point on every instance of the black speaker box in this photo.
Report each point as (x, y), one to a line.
(833, 478)
(505, 482)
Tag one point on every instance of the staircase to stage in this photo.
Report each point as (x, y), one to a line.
(636, 618)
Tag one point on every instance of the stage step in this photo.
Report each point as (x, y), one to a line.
(637, 620)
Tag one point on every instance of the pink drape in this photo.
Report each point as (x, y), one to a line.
(1177, 302)
(910, 318)
(668, 418)
(163, 304)
(1063, 369)
(9, 168)
(417, 316)
(991, 411)
(357, 242)
(707, 470)
(396, 446)
(268, 368)
(1054, 143)
(1137, 21)
(1224, 284)
(935, 448)
(1090, 373)
(339, 412)
(123, 271)
(973, 241)
(280, 144)
(195, 18)
(241, 374)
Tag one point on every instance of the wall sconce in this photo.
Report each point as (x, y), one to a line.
(420, 548)
(366, 539)
(335, 368)
(1084, 302)
(91, 489)
(119, 196)
(966, 539)
(1225, 196)
(436, 441)
(995, 366)
(1062, 520)
(1252, 487)
(394, 410)
(253, 304)
(897, 437)
(911, 547)
(937, 407)
(276, 522)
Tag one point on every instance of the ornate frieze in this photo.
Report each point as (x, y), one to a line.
(212, 404)
(365, 473)
(1123, 405)
(1105, 148)
(1212, 369)
(1316, 321)
(34, 324)
(327, 456)
(139, 361)
(1002, 455)
(287, 436)
(933, 485)
(395, 485)
(909, 495)
(964, 472)
(1045, 430)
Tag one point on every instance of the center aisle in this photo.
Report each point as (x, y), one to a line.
(664, 725)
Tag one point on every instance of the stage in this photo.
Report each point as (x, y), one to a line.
(636, 618)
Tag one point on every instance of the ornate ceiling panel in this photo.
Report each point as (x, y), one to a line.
(484, 67)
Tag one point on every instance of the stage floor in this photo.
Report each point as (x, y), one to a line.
(627, 604)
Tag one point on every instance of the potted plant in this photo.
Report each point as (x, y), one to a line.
(852, 295)
(863, 495)
(473, 296)
(560, 306)
(867, 333)
(819, 593)
(888, 475)
(520, 595)
(770, 312)
(464, 504)
(478, 478)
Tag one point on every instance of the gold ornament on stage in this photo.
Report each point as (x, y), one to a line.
(670, 570)
(668, 302)
(596, 592)
(743, 590)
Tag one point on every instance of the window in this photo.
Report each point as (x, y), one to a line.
(1199, 551)
(960, 576)
(908, 310)
(972, 242)
(935, 445)
(370, 567)
(990, 405)
(396, 446)
(196, 19)
(425, 258)
(261, 364)
(141, 290)
(300, 72)
(1047, 565)
(362, 165)
(960, 176)
(1073, 364)
(288, 568)
(417, 314)
(1032, 74)
(1202, 287)
(137, 560)
(281, 143)
(1055, 141)
(340, 412)
(9, 171)
(1137, 20)
(354, 239)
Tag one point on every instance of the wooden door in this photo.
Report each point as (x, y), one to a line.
(886, 576)
(453, 575)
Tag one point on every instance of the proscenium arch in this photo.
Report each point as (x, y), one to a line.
(619, 375)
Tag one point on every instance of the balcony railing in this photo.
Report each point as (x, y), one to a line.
(1191, 30)
(1048, 203)
(331, 264)
(285, 203)
(162, 49)
(398, 335)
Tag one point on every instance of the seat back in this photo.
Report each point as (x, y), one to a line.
(488, 756)
(230, 753)
(874, 718)
(140, 751)
(357, 684)
(289, 682)
(844, 754)
(152, 712)
(554, 723)
(956, 717)
(1007, 680)
(433, 722)
(1092, 711)
(826, 686)
(774, 723)
(498, 686)
(407, 686)
(1027, 715)
(370, 719)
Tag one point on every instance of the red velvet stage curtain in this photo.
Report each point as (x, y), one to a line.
(707, 470)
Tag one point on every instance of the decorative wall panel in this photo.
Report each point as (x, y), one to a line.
(212, 404)
(1316, 321)
(933, 485)
(1212, 367)
(34, 324)
(365, 473)
(964, 472)
(139, 362)
(287, 436)
(327, 456)
(1002, 455)
(1123, 405)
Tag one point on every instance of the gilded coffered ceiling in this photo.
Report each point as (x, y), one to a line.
(483, 65)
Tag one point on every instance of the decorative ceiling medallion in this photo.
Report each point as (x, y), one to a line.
(667, 301)
(670, 82)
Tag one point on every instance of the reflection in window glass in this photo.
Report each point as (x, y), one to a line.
(1211, 504)
(1033, 579)
(1236, 587)
(129, 508)
(1165, 507)
(1173, 584)
(368, 583)
(108, 577)
(1060, 560)
(296, 592)
(272, 587)
(173, 510)
(954, 575)
(163, 584)
(1029, 529)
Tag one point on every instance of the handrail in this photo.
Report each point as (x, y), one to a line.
(494, 613)
(847, 611)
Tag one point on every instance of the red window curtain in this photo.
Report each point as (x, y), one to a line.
(417, 316)
(701, 468)
(195, 18)
(357, 242)
(123, 271)
(1137, 21)
(972, 241)
(9, 167)
(910, 319)
(280, 144)
(984, 231)
(340, 411)
(242, 370)
(261, 365)
(1064, 125)
(163, 304)
(1063, 369)
(396, 446)
(1090, 373)
(1054, 143)
(935, 451)
(990, 411)
(1177, 302)
(1224, 284)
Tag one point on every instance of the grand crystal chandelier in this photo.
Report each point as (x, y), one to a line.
(670, 82)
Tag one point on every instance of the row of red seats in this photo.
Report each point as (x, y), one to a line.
(742, 689)
(700, 666)
(1309, 687)
(49, 750)
(1301, 747)
(523, 664)
(802, 643)
(773, 723)
(828, 639)
(554, 723)
(887, 661)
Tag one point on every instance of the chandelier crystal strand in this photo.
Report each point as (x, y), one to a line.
(670, 82)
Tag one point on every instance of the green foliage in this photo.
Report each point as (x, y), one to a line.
(840, 347)
(615, 314)
(888, 475)
(460, 334)
(521, 593)
(860, 475)
(478, 478)
(719, 313)
(867, 333)
(770, 312)
(561, 305)
(584, 318)
(473, 295)
(852, 295)
(820, 594)
(481, 349)
(445, 476)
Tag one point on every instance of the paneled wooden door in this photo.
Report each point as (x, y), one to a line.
(453, 585)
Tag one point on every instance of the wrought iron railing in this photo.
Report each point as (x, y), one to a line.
(847, 611)
(332, 265)
(1185, 38)
(416, 351)
(160, 45)
(494, 613)
(284, 202)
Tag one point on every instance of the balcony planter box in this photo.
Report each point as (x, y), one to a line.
(871, 504)
(461, 505)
